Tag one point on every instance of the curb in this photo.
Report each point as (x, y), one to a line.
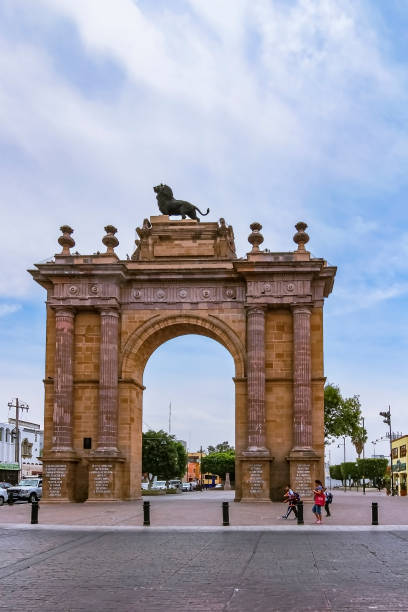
(204, 529)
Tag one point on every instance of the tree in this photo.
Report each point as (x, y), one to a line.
(335, 472)
(222, 447)
(342, 416)
(359, 438)
(374, 469)
(182, 458)
(161, 456)
(349, 471)
(220, 464)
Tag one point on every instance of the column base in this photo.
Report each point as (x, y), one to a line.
(256, 474)
(105, 477)
(304, 464)
(59, 476)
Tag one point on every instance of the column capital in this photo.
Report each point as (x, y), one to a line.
(254, 309)
(301, 308)
(64, 311)
(109, 311)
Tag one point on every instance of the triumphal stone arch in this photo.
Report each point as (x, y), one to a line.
(106, 316)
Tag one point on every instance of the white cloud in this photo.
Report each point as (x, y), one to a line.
(7, 309)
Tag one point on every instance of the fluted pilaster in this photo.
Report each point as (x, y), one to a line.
(302, 388)
(256, 377)
(63, 379)
(108, 381)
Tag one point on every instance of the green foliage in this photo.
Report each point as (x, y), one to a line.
(161, 455)
(219, 463)
(182, 458)
(222, 447)
(359, 438)
(335, 472)
(342, 416)
(374, 469)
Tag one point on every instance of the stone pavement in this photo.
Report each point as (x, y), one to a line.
(204, 509)
(59, 570)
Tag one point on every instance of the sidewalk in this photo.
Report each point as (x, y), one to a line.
(203, 509)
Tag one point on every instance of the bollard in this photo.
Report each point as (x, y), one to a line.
(225, 514)
(146, 513)
(299, 508)
(34, 512)
(374, 513)
(10, 499)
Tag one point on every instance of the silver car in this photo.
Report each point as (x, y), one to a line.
(3, 496)
(28, 489)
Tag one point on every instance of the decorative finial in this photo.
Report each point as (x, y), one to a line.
(301, 237)
(66, 241)
(110, 240)
(255, 238)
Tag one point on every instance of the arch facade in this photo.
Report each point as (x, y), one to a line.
(106, 316)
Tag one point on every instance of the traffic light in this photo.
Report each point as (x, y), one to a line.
(387, 417)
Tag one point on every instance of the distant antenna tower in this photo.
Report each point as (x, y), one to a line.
(170, 418)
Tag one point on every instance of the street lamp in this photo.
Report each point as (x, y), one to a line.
(387, 421)
(364, 434)
(15, 434)
(374, 442)
(344, 458)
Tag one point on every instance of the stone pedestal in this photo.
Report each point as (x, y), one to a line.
(255, 469)
(105, 477)
(303, 472)
(59, 477)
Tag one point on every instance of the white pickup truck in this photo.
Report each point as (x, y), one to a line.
(28, 489)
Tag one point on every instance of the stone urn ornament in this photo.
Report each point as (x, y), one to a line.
(66, 241)
(110, 240)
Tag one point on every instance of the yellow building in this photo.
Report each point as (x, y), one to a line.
(399, 464)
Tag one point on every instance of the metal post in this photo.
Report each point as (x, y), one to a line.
(34, 512)
(392, 472)
(374, 513)
(300, 520)
(364, 492)
(146, 514)
(225, 514)
(344, 461)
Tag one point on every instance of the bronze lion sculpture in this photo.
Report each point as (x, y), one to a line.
(169, 206)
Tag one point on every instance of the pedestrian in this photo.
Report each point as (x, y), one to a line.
(319, 501)
(291, 498)
(329, 499)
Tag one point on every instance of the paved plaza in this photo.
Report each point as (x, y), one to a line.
(68, 570)
(197, 509)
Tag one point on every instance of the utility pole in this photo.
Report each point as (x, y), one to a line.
(16, 432)
(387, 420)
(201, 469)
(362, 418)
(170, 419)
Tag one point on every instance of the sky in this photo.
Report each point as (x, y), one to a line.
(262, 110)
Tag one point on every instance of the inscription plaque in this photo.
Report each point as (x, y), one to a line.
(256, 480)
(303, 480)
(102, 477)
(55, 474)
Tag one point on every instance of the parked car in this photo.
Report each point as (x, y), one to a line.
(29, 489)
(145, 486)
(175, 484)
(3, 496)
(5, 485)
(159, 484)
(186, 486)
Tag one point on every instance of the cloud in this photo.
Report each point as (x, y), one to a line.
(7, 309)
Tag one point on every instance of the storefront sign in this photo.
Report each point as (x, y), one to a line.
(9, 466)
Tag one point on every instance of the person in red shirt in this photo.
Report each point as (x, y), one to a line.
(319, 501)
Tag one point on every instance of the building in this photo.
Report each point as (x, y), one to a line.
(31, 444)
(193, 473)
(399, 463)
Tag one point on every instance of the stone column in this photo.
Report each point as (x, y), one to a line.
(302, 388)
(108, 382)
(256, 377)
(63, 379)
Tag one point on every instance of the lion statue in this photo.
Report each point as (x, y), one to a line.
(169, 206)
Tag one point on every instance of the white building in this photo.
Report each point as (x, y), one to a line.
(31, 444)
